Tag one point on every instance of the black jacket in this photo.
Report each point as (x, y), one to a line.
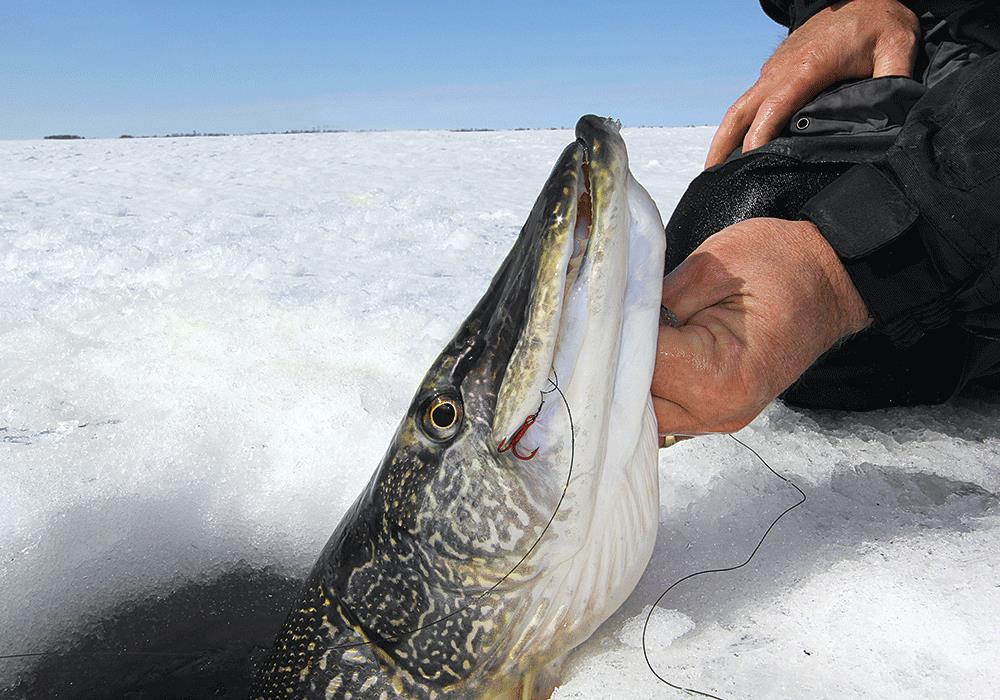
(794, 13)
(918, 227)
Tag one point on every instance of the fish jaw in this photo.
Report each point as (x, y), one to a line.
(462, 566)
(599, 431)
(597, 292)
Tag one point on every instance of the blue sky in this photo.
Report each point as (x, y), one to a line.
(144, 67)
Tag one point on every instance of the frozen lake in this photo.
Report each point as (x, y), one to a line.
(206, 344)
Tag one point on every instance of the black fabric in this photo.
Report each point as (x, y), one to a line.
(942, 266)
(901, 177)
(869, 371)
(794, 13)
(865, 372)
(767, 184)
(861, 107)
(860, 230)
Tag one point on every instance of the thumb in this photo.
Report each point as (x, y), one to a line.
(680, 352)
(699, 282)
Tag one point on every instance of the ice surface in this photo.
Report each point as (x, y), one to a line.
(205, 345)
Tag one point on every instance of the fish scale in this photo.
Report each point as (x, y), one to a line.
(469, 570)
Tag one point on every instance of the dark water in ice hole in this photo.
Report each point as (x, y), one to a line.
(220, 623)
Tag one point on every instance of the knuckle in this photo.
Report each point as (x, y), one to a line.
(904, 19)
(743, 102)
(813, 58)
(773, 103)
(703, 399)
(733, 113)
(897, 40)
(775, 100)
(736, 109)
(771, 69)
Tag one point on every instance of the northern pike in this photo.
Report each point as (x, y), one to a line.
(517, 505)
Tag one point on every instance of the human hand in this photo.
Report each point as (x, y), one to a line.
(852, 39)
(758, 302)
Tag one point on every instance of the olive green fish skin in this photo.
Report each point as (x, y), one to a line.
(440, 523)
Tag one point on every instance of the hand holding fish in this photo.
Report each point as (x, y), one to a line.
(852, 39)
(758, 302)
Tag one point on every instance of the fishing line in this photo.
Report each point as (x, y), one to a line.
(569, 476)
(645, 624)
(554, 389)
(491, 589)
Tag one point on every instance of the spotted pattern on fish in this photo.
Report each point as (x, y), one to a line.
(426, 589)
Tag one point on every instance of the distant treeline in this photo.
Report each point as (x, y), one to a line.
(190, 134)
(172, 136)
(469, 130)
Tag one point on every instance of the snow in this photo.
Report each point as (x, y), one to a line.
(206, 344)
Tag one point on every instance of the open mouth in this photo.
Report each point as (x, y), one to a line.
(557, 306)
(581, 232)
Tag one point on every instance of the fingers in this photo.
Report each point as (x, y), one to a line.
(775, 111)
(670, 414)
(770, 119)
(734, 125)
(855, 40)
(699, 282)
(695, 383)
(674, 381)
(692, 387)
(762, 112)
(683, 306)
(693, 390)
(895, 56)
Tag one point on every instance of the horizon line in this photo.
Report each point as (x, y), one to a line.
(70, 136)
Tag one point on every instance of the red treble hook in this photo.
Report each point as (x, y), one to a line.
(511, 443)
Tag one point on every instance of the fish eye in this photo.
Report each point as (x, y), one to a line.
(442, 417)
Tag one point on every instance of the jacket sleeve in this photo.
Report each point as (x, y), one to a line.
(794, 13)
(918, 229)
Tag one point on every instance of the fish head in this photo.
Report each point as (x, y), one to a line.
(555, 361)
(533, 428)
(516, 506)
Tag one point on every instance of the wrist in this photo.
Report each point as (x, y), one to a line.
(847, 311)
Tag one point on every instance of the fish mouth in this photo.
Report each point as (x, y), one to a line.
(574, 237)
